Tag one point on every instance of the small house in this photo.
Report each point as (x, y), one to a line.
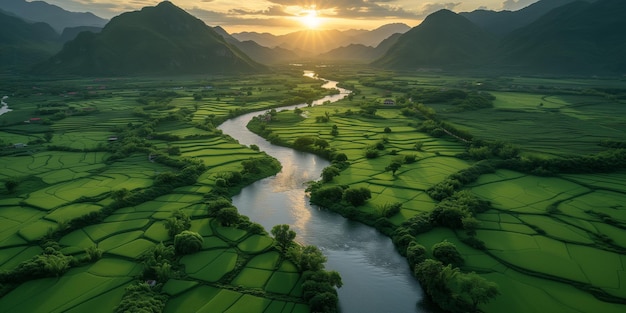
(35, 120)
(19, 145)
(389, 102)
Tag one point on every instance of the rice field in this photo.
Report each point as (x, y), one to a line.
(552, 244)
(57, 186)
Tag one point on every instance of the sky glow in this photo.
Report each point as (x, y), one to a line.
(283, 16)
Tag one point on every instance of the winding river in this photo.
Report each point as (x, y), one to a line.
(376, 278)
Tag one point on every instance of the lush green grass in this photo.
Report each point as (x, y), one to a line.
(543, 235)
(72, 177)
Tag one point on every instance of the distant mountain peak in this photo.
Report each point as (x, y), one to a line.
(58, 18)
(163, 39)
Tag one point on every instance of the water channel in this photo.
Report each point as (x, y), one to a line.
(376, 278)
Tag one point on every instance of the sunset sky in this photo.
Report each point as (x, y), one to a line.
(283, 16)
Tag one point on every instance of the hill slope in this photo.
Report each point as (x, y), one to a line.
(579, 38)
(23, 44)
(444, 40)
(504, 22)
(156, 40)
(58, 18)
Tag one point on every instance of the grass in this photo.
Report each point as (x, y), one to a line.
(542, 234)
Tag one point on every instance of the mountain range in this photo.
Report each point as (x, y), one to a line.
(579, 37)
(309, 43)
(58, 18)
(157, 40)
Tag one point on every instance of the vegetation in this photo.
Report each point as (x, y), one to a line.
(132, 192)
(474, 202)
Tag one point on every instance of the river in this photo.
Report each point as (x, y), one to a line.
(376, 278)
(4, 107)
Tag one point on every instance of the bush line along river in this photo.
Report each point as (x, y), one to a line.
(376, 278)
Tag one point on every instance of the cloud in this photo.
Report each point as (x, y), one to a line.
(515, 5)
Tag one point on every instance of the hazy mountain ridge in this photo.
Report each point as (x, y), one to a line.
(257, 52)
(23, 44)
(155, 40)
(581, 38)
(443, 39)
(504, 22)
(360, 53)
(58, 18)
(314, 42)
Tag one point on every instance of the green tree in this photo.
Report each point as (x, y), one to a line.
(340, 157)
(393, 167)
(415, 254)
(283, 235)
(329, 173)
(447, 253)
(120, 194)
(478, 289)
(334, 131)
(188, 242)
(228, 216)
(321, 143)
(177, 223)
(311, 259)
(11, 184)
(357, 196)
(47, 136)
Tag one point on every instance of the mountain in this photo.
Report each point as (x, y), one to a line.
(58, 18)
(257, 52)
(504, 22)
(360, 53)
(161, 40)
(23, 44)
(69, 33)
(578, 38)
(315, 42)
(444, 40)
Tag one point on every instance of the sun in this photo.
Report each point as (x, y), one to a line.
(310, 19)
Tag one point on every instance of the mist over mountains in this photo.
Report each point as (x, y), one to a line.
(571, 37)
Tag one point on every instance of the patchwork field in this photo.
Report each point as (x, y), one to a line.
(552, 244)
(65, 175)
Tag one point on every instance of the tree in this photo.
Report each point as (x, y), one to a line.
(478, 289)
(228, 216)
(283, 235)
(321, 143)
(188, 242)
(340, 157)
(357, 196)
(447, 253)
(11, 184)
(334, 131)
(387, 129)
(120, 194)
(177, 223)
(415, 253)
(47, 136)
(329, 173)
(393, 167)
(311, 259)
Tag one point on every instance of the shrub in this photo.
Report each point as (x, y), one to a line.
(188, 242)
(357, 196)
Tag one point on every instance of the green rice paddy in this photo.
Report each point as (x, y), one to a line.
(73, 177)
(553, 244)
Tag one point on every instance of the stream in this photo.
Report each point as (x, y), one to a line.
(376, 279)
